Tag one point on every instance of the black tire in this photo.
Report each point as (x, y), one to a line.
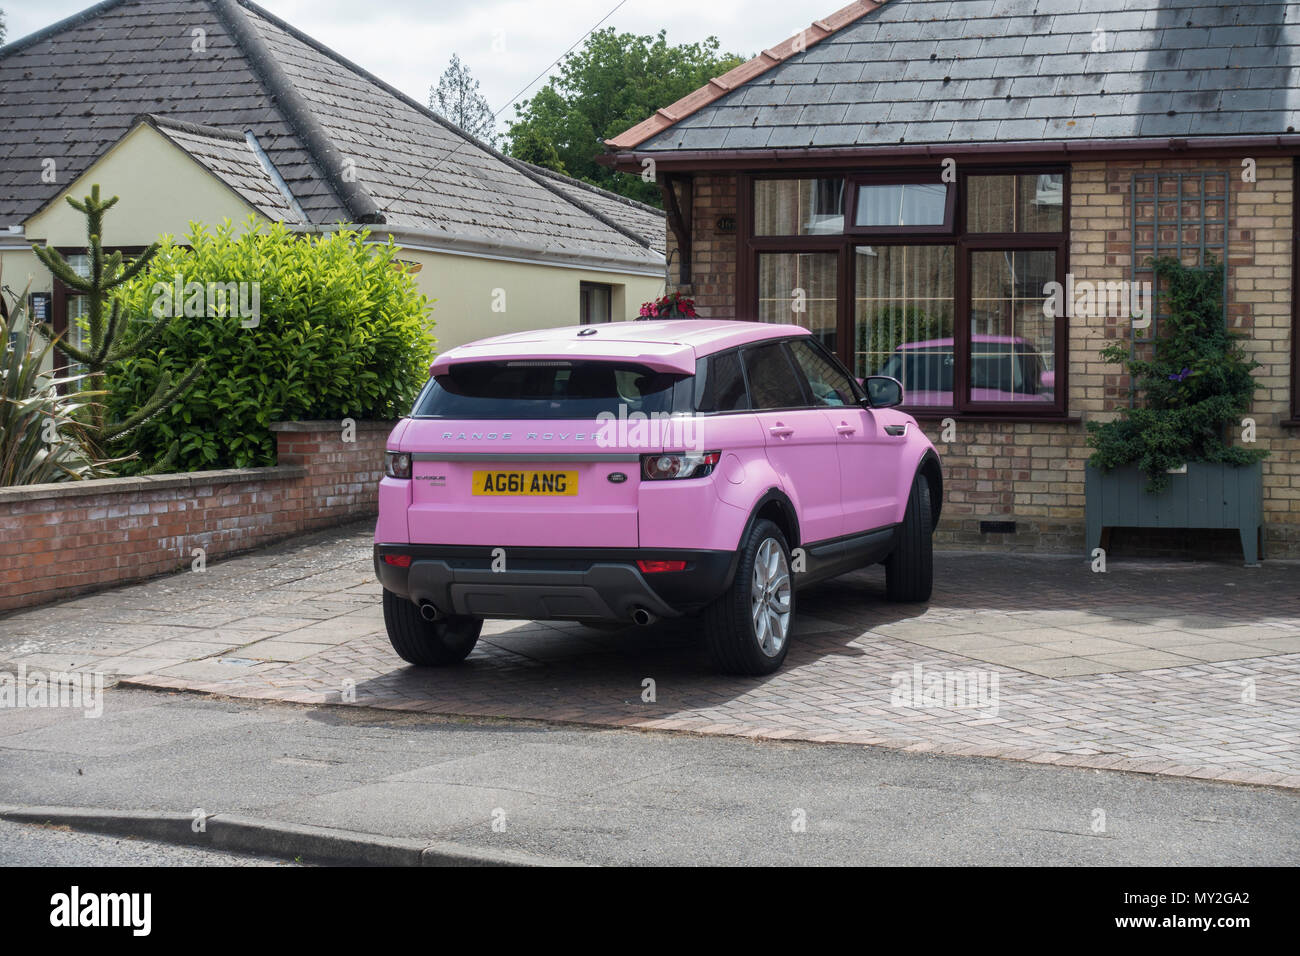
(909, 570)
(447, 640)
(731, 636)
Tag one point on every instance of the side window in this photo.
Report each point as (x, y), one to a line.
(827, 382)
(773, 382)
(719, 385)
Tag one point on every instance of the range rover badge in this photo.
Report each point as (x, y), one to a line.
(617, 477)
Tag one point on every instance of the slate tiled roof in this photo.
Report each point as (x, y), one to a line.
(348, 147)
(422, 173)
(634, 216)
(230, 157)
(1017, 71)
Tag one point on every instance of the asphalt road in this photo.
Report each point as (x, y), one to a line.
(605, 796)
(25, 845)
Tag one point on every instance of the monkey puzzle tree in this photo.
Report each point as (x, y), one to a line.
(106, 344)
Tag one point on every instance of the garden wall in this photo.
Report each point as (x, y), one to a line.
(65, 538)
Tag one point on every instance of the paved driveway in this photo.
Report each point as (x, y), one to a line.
(1159, 667)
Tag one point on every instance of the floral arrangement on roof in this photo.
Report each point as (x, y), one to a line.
(673, 305)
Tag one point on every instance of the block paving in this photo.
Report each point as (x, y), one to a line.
(1166, 667)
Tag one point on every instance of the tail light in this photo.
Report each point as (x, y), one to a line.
(398, 560)
(655, 567)
(397, 464)
(674, 464)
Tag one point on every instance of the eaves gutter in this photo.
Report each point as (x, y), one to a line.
(14, 238)
(521, 251)
(1035, 151)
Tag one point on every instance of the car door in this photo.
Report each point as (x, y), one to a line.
(867, 457)
(800, 439)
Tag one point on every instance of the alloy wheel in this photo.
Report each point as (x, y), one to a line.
(769, 597)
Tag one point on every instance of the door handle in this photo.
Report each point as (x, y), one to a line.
(781, 431)
(844, 428)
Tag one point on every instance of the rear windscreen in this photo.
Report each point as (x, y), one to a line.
(543, 389)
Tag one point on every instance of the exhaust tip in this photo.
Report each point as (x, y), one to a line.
(429, 611)
(642, 617)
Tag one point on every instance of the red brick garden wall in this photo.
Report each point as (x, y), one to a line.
(61, 539)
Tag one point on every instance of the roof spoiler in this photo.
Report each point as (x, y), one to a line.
(673, 359)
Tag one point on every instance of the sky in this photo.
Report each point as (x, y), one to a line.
(505, 43)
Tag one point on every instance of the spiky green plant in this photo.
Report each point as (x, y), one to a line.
(41, 436)
(107, 344)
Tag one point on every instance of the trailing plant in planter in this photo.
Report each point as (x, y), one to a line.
(671, 306)
(1195, 387)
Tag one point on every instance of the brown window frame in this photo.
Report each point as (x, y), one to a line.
(749, 246)
(929, 178)
(585, 290)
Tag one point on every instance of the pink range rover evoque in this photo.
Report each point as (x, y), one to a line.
(633, 471)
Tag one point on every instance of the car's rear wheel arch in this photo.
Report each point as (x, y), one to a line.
(777, 508)
(773, 506)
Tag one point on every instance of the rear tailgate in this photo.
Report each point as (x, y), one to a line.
(492, 483)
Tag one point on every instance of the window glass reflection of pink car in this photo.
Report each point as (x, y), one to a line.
(1004, 368)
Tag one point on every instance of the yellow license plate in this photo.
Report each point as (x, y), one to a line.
(534, 483)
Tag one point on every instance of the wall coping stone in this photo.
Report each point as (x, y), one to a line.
(332, 425)
(134, 483)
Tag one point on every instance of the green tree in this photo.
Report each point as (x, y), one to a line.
(107, 345)
(456, 98)
(612, 83)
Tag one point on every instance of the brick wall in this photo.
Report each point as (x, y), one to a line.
(61, 539)
(713, 253)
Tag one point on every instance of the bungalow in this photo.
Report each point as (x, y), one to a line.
(915, 180)
(204, 110)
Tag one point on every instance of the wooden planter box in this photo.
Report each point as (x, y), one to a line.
(1208, 496)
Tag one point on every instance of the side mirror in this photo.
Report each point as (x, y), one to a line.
(883, 391)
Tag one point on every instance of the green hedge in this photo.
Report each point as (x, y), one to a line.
(342, 332)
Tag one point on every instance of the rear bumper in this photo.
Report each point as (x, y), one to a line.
(562, 584)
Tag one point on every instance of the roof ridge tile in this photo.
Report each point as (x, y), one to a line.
(739, 75)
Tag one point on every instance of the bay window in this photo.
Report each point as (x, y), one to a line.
(942, 285)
